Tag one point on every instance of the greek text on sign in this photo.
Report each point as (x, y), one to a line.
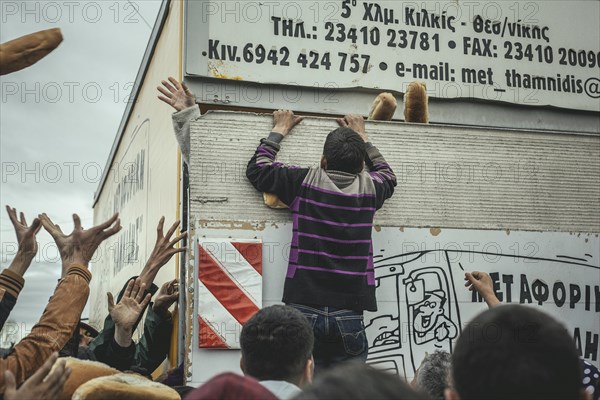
(524, 52)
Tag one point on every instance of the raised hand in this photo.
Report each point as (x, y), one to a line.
(483, 284)
(284, 121)
(167, 295)
(126, 313)
(354, 122)
(28, 246)
(80, 245)
(164, 249)
(176, 94)
(45, 384)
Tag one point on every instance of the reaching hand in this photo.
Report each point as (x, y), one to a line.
(163, 251)
(356, 123)
(80, 246)
(167, 295)
(127, 312)
(284, 121)
(483, 284)
(43, 385)
(176, 94)
(28, 246)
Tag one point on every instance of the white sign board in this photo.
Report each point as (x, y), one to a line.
(558, 273)
(523, 52)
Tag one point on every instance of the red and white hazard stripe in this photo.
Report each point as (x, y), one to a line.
(229, 289)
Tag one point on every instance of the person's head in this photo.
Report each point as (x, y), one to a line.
(86, 334)
(432, 376)
(344, 150)
(231, 386)
(515, 352)
(358, 381)
(277, 344)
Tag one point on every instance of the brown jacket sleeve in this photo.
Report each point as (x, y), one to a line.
(10, 287)
(54, 328)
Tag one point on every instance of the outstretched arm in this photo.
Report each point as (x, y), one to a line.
(164, 249)
(269, 176)
(11, 279)
(154, 344)
(181, 98)
(63, 311)
(483, 284)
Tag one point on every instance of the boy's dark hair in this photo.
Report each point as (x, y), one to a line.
(276, 344)
(432, 377)
(515, 352)
(358, 381)
(345, 151)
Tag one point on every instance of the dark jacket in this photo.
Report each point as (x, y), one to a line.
(148, 353)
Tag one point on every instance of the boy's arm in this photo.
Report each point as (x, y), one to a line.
(181, 98)
(11, 279)
(381, 173)
(181, 126)
(269, 176)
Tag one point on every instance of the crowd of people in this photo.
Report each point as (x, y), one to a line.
(318, 332)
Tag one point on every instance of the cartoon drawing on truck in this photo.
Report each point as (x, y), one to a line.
(424, 320)
(418, 309)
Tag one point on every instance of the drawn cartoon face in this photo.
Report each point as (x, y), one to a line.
(427, 312)
(383, 331)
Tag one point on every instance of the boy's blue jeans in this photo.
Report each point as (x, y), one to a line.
(339, 335)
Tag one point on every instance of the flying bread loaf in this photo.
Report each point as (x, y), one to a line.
(27, 50)
(415, 103)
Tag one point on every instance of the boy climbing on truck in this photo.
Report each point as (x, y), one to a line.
(330, 277)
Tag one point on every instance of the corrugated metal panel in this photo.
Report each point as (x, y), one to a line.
(452, 177)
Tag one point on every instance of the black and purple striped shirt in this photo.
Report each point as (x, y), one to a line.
(331, 255)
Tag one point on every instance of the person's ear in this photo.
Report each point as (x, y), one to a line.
(242, 365)
(309, 371)
(450, 394)
(323, 162)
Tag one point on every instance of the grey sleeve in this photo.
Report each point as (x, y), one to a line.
(181, 125)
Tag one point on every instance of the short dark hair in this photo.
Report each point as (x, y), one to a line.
(432, 377)
(276, 343)
(515, 352)
(357, 381)
(345, 151)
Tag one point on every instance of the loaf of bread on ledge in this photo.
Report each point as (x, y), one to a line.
(415, 103)
(383, 108)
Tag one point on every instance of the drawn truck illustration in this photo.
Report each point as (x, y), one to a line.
(426, 316)
(511, 160)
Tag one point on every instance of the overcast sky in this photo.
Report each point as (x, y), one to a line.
(59, 117)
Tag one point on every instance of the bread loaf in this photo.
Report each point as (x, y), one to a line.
(273, 201)
(82, 372)
(27, 50)
(383, 108)
(124, 387)
(415, 103)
